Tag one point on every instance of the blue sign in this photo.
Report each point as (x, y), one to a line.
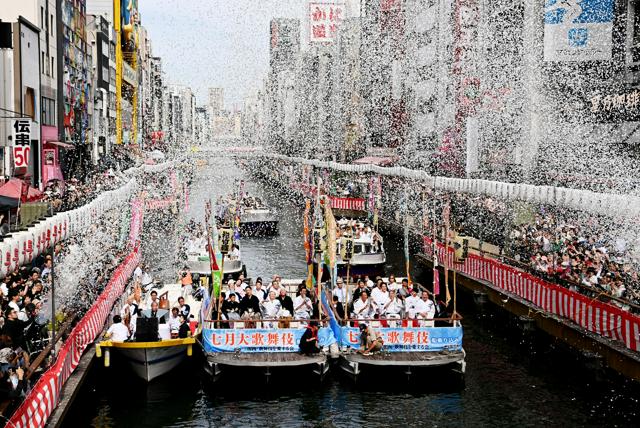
(287, 340)
(422, 339)
(578, 30)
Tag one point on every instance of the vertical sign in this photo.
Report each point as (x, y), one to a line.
(324, 21)
(21, 142)
(578, 30)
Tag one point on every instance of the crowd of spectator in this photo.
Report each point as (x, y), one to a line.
(585, 260)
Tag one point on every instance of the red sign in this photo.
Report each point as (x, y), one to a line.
(324, 21)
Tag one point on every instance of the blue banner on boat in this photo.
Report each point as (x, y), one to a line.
(410, 339)
(260, 340)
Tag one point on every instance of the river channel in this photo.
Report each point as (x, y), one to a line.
(508, 382)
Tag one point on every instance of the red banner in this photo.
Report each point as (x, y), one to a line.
(604, 319)
(45, 395)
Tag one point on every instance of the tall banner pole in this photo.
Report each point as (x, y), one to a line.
(117, 26)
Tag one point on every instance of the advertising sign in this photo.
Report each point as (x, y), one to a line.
(21, 138)
(259, 340)
(578, 30)
(324, 21)
(410, 339)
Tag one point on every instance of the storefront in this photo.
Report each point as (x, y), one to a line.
(51, 169)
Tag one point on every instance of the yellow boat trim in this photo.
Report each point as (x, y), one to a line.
(145, 345)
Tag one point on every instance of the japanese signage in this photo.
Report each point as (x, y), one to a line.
(129, 75)
(578, 30)
(21, 131)
(324, 21)
(287, 340)
(615, 102)
(410, 339)
(256, 340)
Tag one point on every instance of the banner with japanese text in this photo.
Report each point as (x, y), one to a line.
(258, 340)
(410, 339)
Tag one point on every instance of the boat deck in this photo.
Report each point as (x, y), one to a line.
(407, 358)
(280, 359)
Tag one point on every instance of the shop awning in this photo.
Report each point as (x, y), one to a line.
(375, 160)
(61, 144)
(12, 189)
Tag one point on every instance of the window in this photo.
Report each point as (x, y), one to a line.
(43, 65)
(30, 103)
(42, 20)
(48, 111)
(51, 26)
(53, 66)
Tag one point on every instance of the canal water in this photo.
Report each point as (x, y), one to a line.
(510, 380)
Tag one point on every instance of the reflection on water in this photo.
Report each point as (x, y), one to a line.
(505, 384)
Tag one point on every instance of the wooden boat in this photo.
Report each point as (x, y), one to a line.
(412, 351)
(267, 351)
(151, 359)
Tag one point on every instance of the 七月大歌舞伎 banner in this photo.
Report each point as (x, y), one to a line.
(409, 339)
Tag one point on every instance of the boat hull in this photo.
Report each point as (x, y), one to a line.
(270, 368)
(149, 360)
(357, 367)
(259, 228)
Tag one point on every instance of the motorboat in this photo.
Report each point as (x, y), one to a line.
(150, 358)
(256, 218)
(368, 257)
(198, 262)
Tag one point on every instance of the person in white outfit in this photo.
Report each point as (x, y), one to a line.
(425, 309)
(302, 306)
(270, 309)
(363, 307)
(118, 332)
(394, 309)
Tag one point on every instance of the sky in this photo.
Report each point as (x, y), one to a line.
(215, 43)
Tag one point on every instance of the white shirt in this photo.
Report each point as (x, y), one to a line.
(427, 307)
(174, 323)
(362, 309)
(410, 305)
(271, 308)
(341, 293)
(394, 286)
(146, 279)
(380, 299)
(118, 332)
(137, 273)
(395, 307)
(261, 293)
(305, 308)
(235, 254)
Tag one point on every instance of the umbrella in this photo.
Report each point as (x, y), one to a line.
(161, 313)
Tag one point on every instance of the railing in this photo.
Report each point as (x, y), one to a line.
(601, 318)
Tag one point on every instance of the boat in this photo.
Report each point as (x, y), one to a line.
(198, 262)
(150, 359)
(269, 348)
(368, 256)
(255, 218)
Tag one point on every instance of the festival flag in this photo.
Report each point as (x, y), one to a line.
(446, 215)
(332, 244)
(308, 246)
(406, 237)
(436, 282)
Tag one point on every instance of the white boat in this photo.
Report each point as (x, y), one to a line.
(198, 262)
(152, 359)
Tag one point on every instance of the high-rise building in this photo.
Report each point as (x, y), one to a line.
(216, 101)
(26, 17)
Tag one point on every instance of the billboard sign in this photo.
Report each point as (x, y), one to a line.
(21, 130)
(324, 21)
(578, 30)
